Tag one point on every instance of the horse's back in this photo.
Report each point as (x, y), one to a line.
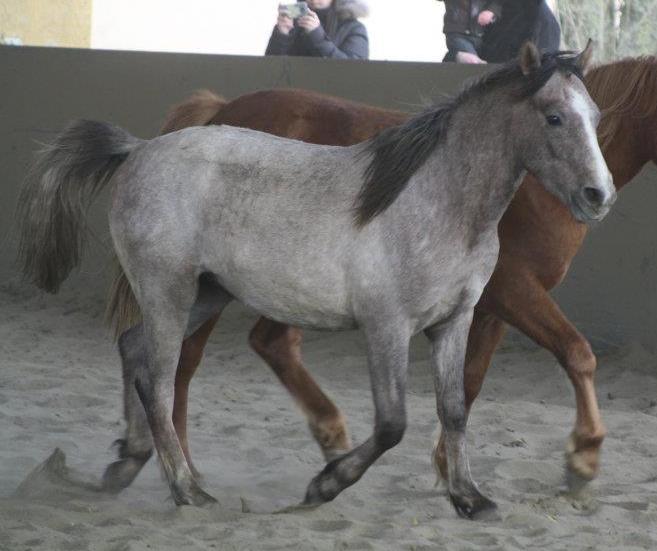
(307, 116)
(233, 201)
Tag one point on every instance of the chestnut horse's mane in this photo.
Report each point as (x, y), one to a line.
(627, 87)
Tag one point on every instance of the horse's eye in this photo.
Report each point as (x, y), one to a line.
(553, 120)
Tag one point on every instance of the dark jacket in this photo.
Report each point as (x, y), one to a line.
(461, 15)
(523, 20)
(350, 40)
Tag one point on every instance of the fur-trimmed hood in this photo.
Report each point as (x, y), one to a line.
(351, 9)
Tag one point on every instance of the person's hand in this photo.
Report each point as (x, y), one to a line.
(309, 22)
(284, 24)
(467, 57)
(486, 17)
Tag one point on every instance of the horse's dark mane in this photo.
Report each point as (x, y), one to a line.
(398, 152)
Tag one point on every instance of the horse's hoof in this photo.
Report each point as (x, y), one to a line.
(574, 481)
(314, 495)
(474, 508)
(582, 460)
(324, 487)
(120, 474)
(193, 495)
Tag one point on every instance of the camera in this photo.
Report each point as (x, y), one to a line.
(294, 11)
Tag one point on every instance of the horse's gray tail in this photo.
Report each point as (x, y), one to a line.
(63, 181)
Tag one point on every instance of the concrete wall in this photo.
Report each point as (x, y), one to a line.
(611, 291)
(47, 22)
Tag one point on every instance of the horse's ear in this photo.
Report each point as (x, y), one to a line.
(530, 58)
(584, 60)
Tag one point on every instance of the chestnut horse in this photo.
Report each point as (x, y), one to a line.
(538, 240)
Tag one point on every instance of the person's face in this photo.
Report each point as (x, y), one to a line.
(319, 4)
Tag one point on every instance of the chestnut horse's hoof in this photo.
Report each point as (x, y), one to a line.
(582, 461)
(476, 507)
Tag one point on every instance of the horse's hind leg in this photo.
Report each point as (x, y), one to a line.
(448, 345)
(190, 358)
(280, 346)
(137, 446)
(166, 302)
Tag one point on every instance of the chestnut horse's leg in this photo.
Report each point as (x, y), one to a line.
(485, 334)
(280, 346)
(190, 358)
(527, 305)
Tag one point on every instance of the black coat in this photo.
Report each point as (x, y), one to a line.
(522, 20)
(461, 15)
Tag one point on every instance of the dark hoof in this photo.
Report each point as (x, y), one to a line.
(120, 474)
(473, 508)
(324, 487)
(314, 495)
(193, 495)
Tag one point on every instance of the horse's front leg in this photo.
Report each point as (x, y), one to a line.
(528, 306)
(448, 345)
(486, 332)
(387, 355)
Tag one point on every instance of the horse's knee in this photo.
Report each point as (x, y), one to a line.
(390, 432)
(579, 359)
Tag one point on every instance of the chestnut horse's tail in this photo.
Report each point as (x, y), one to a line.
(63, 181)
(122, 307)
(197, 110)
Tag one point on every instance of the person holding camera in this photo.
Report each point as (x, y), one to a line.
(464, 24)
(523, 20)
(321, 28)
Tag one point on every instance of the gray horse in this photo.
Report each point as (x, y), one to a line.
(393, 236)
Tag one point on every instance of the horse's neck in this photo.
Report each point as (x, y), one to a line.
(624, 158)
(476, 166)
(630, 149)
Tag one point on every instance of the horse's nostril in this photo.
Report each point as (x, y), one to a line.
(593, 195)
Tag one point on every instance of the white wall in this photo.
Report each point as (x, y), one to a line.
(403, 30)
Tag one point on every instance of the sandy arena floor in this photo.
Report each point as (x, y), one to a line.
(60, 388)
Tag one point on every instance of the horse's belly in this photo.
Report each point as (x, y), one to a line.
(286, 288)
